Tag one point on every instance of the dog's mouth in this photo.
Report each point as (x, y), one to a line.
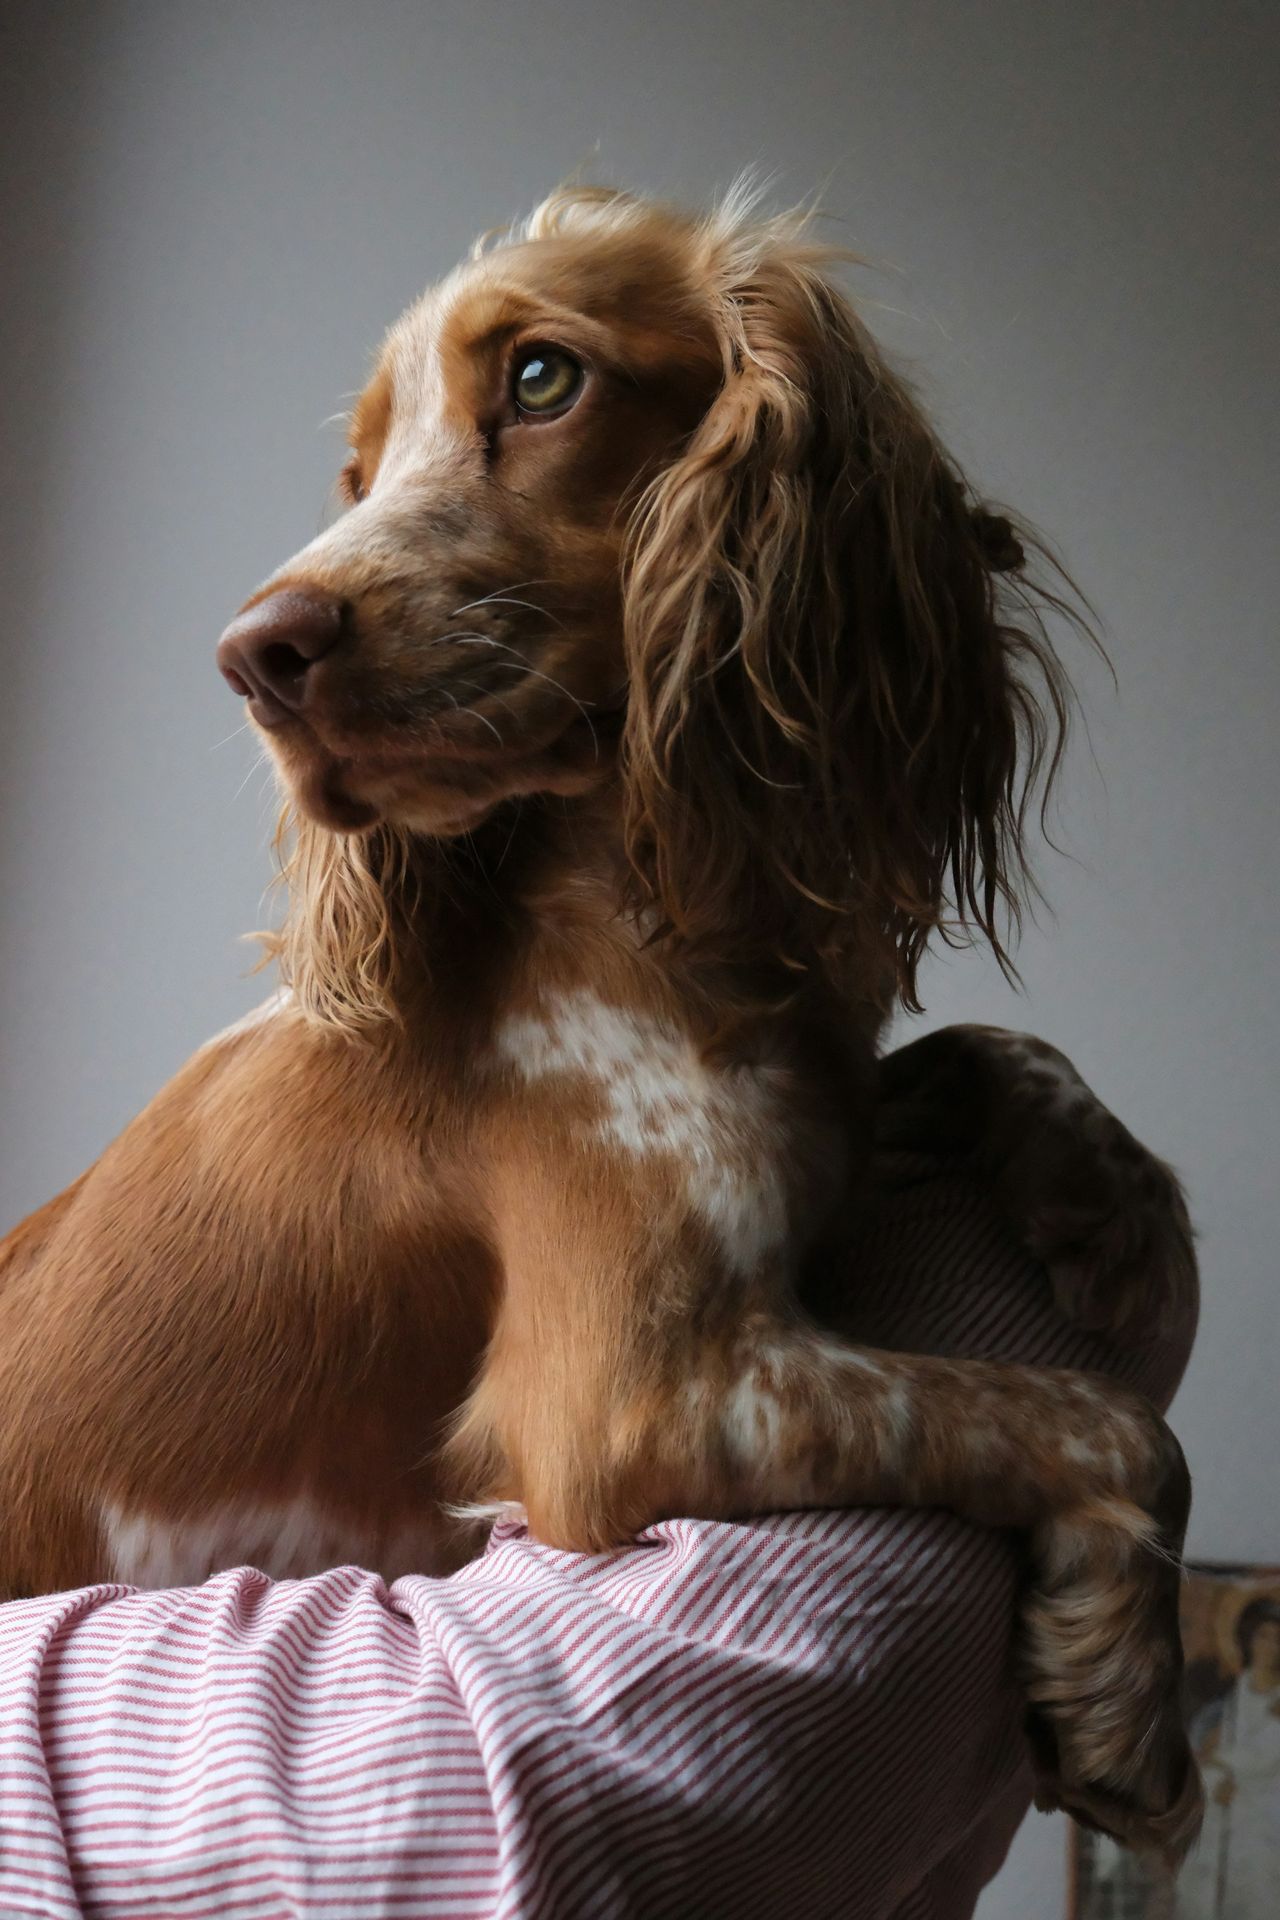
(441, 787)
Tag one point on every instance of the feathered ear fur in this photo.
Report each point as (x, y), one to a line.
(837, 706)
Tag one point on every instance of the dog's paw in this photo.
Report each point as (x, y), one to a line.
(1102, 1663)
(1107, 1735)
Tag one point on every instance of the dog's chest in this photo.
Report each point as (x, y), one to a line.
(741, 1144)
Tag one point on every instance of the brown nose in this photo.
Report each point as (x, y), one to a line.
(268, 652)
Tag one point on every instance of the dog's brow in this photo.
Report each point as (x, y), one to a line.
(522, 315)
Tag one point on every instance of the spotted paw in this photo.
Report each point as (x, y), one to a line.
(1103, 1669)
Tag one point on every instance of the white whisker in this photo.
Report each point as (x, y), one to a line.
(487, 693)
(505, 598)
(481, 717)
(517, 586)
(534, 673)
(486, 722)
(255, 766)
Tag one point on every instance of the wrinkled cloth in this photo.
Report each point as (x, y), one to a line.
(810, 1714)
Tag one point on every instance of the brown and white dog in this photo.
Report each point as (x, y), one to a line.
(660, 695)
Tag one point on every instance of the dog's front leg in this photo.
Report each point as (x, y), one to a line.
(637, 1371)
(778, 1415)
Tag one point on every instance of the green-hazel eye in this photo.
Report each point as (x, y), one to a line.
(546, 380)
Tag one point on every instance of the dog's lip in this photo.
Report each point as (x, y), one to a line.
(462, 737)
(337, 792)
(350, 788)
(452, 760)
(353, 792)
(325, 795)
(269, 712)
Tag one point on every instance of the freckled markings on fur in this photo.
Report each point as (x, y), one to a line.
(895, 1428)
(659, 1099)
(1080, 1450)
(1050, 1072)
(752, 1419)
(841, 1356)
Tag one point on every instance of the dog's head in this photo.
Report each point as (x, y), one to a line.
(636, 503)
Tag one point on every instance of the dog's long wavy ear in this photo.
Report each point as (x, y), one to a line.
(841, 686)
(337, 945)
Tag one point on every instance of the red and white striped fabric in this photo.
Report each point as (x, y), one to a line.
(808, 1715)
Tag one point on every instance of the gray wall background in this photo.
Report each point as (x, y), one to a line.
(210, 213)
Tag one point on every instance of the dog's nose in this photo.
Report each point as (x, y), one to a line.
(268, 652)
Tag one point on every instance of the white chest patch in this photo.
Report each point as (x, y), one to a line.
(719, 1130)
(287, 1540)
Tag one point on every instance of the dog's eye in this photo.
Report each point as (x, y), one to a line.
(546, 380)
